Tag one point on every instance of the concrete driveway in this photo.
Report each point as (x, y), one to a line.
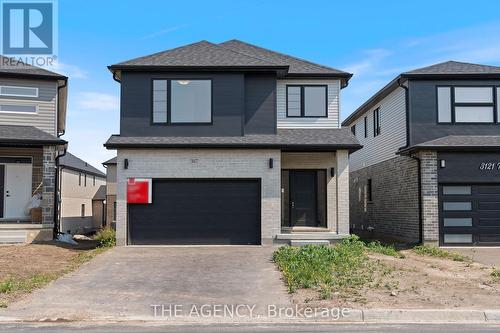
(126, 281)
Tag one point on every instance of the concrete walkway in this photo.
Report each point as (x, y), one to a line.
(126, 281)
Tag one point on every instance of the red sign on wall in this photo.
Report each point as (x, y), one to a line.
(139, 191)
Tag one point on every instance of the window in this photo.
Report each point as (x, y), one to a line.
(458, 222)
(83, 210)
(18, 91)
(458, 238)
(114, 211)
(159, 101)
(18, 108)
(80, 179)
(84, 179)
(93, 180)
(376, 122)
(466, 105)
(306, 101)
(454, 190)
(366, 127)
(182, 101)
(353, 130)
(191, 101)
(369, 189)
(457, 206)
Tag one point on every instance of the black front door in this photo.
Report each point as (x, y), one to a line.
(303, 198)
(2, 187)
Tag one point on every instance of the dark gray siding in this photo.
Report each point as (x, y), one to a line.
(260, 104)
(227, 106)
(467, 167)
(423, 112)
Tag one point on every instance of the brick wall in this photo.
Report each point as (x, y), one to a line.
(430, 212)
(394, 212)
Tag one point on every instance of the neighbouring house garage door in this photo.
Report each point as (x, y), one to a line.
(198, 212)
(469, 214)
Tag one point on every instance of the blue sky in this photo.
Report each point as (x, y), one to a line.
(373, 40)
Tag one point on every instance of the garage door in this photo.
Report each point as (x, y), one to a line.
(198, 212)
(469, 214)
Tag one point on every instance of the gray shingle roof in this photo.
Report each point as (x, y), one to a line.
(460, 142)
(72, 162)
(284, 139)
(26, 135)
(454, 67)
(200, 54)
(233, 53)
(100, 194)
(110, 161)
(297, 65)
(13, 66)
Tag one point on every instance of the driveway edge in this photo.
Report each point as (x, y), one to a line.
(355, 316)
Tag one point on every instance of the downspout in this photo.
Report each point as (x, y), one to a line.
(56, 182)
(419, 165)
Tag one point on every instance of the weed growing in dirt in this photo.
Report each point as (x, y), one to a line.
(106, 237)
(439, 253)
(388, 250)
(340, 268)
(495, 274)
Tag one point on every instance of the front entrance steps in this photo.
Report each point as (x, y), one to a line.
(296, 238)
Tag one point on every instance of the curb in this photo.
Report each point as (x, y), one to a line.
(379, 316)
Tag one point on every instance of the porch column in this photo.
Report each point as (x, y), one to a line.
(429, 188)
(342, 192)
(48, 187)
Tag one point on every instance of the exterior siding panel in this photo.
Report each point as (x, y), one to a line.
(333, 106)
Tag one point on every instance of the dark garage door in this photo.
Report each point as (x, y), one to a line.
(469, 214)
(198, 212)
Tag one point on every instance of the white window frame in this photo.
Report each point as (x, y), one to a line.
(19, 112)
(19, 95)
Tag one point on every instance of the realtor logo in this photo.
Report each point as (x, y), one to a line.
(29, 27)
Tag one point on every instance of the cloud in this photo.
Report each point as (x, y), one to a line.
(71, 71)
(97, 101)
(377, 66)
(165, 31)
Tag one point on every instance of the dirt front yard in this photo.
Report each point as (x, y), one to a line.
(404, 280)
(24, 268)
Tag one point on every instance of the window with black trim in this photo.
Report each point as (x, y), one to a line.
(376, 122)
(466, 104)
(353, 129)
(369, 190)
(366, 127)
(183, 101)
(83, 210)
(93, 180)
(84, 179)
(80, 179)
(307, 101)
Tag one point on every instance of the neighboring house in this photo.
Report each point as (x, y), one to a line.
(110, 166)
(79, 183)
(32, 117)
(429, 169)
(242, 145)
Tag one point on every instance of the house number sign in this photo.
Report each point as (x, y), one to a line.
(489, 166)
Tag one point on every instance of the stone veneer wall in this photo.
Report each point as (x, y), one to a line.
(48, 187)
(394, 211)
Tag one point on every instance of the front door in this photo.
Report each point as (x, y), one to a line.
(303, 198)
(2, 188)
(17, 189)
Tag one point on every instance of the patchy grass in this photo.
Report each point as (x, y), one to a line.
(495, 274)
(106, 237)
(385, 249)
(15, 285)
(340, 268)
(440, 253)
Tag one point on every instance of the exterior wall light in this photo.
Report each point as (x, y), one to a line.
(442, 164)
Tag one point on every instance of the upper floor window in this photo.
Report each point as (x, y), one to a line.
(18, 91)
(18, 108)
(306, 101)
(182, 101)
(353, 129)
(376, 122)
(366, 127)
(466, 105)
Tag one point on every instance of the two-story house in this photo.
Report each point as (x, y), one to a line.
(429, 169)
(230, 143)
(32, 117)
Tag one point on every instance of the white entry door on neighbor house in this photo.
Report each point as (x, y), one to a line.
(16, 189)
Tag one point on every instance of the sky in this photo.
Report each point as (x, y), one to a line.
(374, 40)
